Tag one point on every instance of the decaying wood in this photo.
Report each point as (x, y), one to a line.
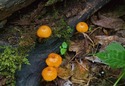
(7, 7)
(90, 7)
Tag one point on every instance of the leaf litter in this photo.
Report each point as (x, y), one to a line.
(97, 73)
(108, 22)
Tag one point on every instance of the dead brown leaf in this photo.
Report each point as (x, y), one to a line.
(2, 81)
(76, 46)
(80, 72)
(108, 22)
(115, 11)
(105, 40)
(65, 72)
(80, 47)
(121, 33)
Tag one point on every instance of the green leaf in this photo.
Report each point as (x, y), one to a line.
(64, 45)
(114, 59)
(101, 55)
(63, 51)
(114, 55)
(115, 46)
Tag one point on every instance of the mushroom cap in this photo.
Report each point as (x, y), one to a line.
(44, 31)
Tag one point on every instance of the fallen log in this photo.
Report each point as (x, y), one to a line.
(30, 75)
(7, 7)
(90, 7)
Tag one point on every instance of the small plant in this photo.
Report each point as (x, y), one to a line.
(10, 61)
(63, 48)
(114, 56)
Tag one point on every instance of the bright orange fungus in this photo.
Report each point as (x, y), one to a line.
(54, 60)
(82, 27)
(49, 73)
(44, 31)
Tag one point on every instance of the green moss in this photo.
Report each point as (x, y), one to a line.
(51, 2)
(11, 60)
(63, 30)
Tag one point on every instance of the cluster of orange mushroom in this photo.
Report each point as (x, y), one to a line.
(54, 60)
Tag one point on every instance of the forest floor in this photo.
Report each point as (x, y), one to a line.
(80, 67)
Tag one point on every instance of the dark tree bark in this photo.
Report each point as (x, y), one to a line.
(91, 6)
(7, 7)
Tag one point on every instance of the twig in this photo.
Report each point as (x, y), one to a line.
(85, 35)
(80, 63)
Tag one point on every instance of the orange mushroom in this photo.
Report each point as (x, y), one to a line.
(54, 60)
(44, 31)
(82, 27)
(49, 73)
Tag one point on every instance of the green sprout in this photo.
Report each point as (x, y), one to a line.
(63, 48)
